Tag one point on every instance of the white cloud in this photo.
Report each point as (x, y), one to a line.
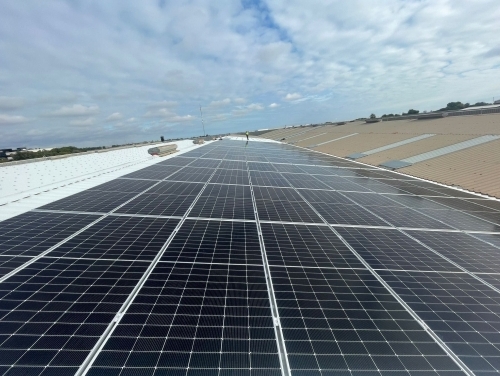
(139, 57)
(130, 120)
(169, 116)
(163, 104)
(75, 110)
(243, 110)
(114, 116)
(292, 97)
(83, 123)
(11, 103)
(274, 105)
(221, 103)
(12, 119)
(255, 107)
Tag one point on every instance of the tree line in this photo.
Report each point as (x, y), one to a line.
(452, 106)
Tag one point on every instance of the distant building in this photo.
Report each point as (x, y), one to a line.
(497, 102)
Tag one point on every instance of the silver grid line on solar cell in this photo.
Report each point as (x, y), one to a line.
(89, 360)
(436, 338)
(285, 366)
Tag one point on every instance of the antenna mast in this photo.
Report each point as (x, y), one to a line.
(202, 123)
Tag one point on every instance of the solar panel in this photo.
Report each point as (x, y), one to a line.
(91, 201)
(32, 233)
(256, 259)
(54, 311)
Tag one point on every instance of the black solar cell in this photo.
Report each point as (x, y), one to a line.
(347, 214)
(214, 241)
(91, 201)
(125, 185)
(32, 233)
(207, 307)
(286, 211)
(272, 179)
(345, 320)
(306, 246)
(406, 217)
(223, 207)
(460, 220)
(53, 311)
(211, 319)
(468, 252)
(9, 263)
(155, 204)
(125, 238)
(391, 249)
(461, 310)
(153, 173)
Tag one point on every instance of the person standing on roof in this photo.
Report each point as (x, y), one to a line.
(247, 135)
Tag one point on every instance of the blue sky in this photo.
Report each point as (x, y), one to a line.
(107, 72)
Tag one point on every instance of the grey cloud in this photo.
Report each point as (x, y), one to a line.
(157, 64)
(163, 104)
(220, 103)
(75, 110)
(11, 103)
(12, 119)
(114, 116)
(81, 123)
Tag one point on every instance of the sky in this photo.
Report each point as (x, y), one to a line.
(89, 73)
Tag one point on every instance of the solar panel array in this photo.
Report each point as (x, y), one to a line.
(256, 259)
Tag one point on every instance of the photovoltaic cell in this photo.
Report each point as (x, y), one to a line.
(32, 233)
(53, 312)
(288, 168)
(305, 181)
(327, 197)
(272, 179)
(373, 199)
(196, 320)
(468, 252)
(192, 175)
(306, 246)
(124, 185)
(461, 310)
(345, 322)
(155, 204)
(261, 166)
(233, 165)
(347, 214)
(125, 238)
(272, 193)
(406, 217)
(91, 201)
(205, 309)
(460, 220)
(391, 249)
(214, 241)
(239, 177)
(9, 263)
(223, 207)
(157, 173)
(227, 191)
(177, 188)
(286, 211)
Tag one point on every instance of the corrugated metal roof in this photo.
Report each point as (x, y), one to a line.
(476, 168)
(450, 149)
